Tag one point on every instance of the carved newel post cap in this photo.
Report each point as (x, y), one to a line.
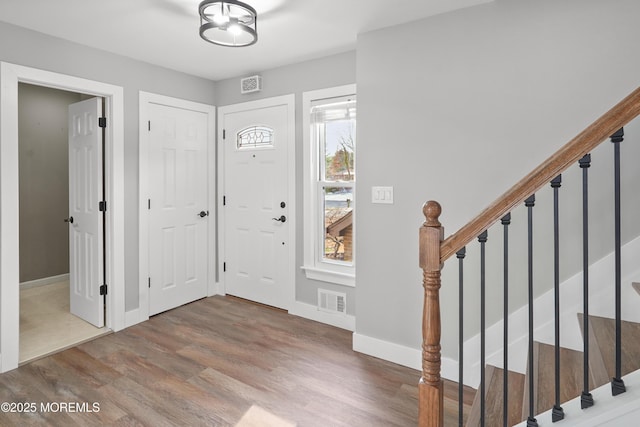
(432, 211)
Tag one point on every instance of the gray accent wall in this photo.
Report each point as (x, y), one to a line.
(33, 49)
(457, 108)
(331, 71)
(44, 180)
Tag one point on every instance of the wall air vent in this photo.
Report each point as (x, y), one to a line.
(251, 84)
(332, 302)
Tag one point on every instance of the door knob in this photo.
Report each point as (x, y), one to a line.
(281, 219)
(202, 214)
(69, 220)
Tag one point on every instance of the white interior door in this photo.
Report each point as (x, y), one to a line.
(178, 209)
(85, 218)
(256, 191)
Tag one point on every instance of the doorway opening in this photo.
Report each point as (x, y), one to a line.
(116, 318)
(47, 324)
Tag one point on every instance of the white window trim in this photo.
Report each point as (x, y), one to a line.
(315, 269)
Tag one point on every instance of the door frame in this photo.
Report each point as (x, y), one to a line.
(10, 76)
(147, 98)
(289, 101)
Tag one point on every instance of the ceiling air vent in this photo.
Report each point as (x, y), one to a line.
(251, 84)
(332, 302)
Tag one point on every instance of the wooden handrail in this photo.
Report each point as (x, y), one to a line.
(617, 117)
(434, 251)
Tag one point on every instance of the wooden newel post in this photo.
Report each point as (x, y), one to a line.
(431, 411)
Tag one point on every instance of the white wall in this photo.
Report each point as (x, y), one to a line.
(457, 108)
(29, 48)
(331, 71)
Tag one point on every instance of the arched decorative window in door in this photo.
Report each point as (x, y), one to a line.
(255, 137)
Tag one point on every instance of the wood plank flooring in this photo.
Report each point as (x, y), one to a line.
(47, 326)
(220, 361)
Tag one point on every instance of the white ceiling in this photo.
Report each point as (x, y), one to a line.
(165, 32)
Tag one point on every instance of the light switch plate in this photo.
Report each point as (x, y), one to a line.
(382, 195)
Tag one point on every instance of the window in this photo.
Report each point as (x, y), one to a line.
(330, 173)
(254, 137)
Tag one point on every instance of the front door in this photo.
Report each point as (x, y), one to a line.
(178, 208)
(257, 206)
(85, 218)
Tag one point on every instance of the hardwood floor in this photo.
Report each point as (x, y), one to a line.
(47, 326)
(219, 361)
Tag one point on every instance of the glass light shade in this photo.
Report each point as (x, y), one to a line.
(228, 23)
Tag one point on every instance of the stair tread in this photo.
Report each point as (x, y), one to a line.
(604, 333)
(597, 368)
(571, 376)
(494, 399)
(602, 369)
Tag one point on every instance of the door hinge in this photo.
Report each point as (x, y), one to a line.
(149, 125)
(149, 204)
(102, 122)
(224, 267)
(103, 290)
(102, 206)
(149, 282)
(224, 134)
(224, 200)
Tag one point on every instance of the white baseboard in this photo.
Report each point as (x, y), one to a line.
(449, 370)
(401, 355)
(396, 353)
(311, 312)
(44, 281)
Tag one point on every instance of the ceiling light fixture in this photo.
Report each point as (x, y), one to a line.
(228, 23)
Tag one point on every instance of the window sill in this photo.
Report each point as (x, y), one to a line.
(330, 276)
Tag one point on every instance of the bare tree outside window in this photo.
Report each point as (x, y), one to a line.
(338, 200)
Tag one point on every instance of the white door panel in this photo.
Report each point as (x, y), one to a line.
(256, 188)
(86, 227)
(177, 194)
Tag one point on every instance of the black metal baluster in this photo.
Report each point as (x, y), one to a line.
(460, 255)
(557, 413)
(586, 399)
(506, 220)
(482, 238)
(617, 384)
(529, 203)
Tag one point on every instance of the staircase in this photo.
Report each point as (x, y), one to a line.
(612, 346)
(601, 366)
